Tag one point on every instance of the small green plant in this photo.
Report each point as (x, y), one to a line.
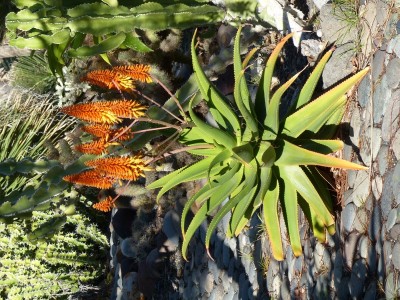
(266, 160)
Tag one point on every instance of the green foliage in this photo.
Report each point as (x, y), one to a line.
(261, 158)
(51, 267)
(60, 27)
(32, 72)
(29, 121)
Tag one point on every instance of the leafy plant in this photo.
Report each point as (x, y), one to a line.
(61, 27)
(37, 266)
(267, 160)
(30, 120)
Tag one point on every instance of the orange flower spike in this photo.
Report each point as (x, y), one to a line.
(90, 178)
(129, 168)
(95, 147)
(124, 137)
(91, 112)
(124, 108)
(136, 72)
(101, 78)
(98, 130)
(105, 205)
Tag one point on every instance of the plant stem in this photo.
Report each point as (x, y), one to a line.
(173, 152)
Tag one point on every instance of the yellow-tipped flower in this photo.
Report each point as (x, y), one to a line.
(104, 205)
(128, 168)
(91, 178)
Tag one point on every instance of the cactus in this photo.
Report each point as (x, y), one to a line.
(50, 268)
(57, 28)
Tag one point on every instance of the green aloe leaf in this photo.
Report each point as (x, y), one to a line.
(133, 42)
(263, 92)
(331, 126)
(219, 159)
(272, 120)
(271, 219)
(309, 87)
(306, 189)
(322, 146)
(212, 95)
(111, 43)
(248, 190)
(291, 213)
(215, 200)
(315, 112)
(293, 155)
(217, 135)
(317, 226)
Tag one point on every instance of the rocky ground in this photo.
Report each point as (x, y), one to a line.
(362, 260)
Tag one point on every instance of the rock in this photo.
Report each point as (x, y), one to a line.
(391, 286)
(348, 216)
(387, 199)
(371, 292)
(364, 91)
(128, 247)
(362, 219)
(171, 226)
(206, 282)
(350, 248)
(374, 229)
(380, 99)
(343, 288)
(390, 123)
(396, 145)
(226, 280)
(339, 65)
(320, 3)
(129, 285)
(396, 256)
(377, 185)
(311, 48)
(391, 220)
(331, 22)
(387, 253)
(395, 232)
(395, 183)
(322, 258)
(382, 158)
(372, 259)
(243, 286)
(361, 189)
(363, 246)
(378, 64)
(393, 71)
(225, 35)
(396, 45)
(357, 279)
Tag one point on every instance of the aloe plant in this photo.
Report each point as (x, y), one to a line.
(266, 161)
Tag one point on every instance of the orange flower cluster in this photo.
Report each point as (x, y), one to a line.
(105, 205)
(106, 112)
(96, 147)
(104, 131)
(120, 77)
(107, 171)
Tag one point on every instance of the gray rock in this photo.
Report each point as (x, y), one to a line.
(381, 97)
(374, 230)
(338, 269)
(396, 145)
(343, 289)
(128, 247)
(391, 286)
(217, 292)
(357, 279)
(351, 177)
(396, 45)
(322, 258)
(378, 64)
(311, 48)
(382, 158)
(361, 189)
(350, 248)
(377, 185)
(396, 256)
(320, 3)
(382, 11)
(372, 259)
(391, 220)
(395, 183)
(331, 22)
(387, 253)
(252, 272)
(362, 219)
(339, 65)
(226, 280)
(381, 268)
(243, 286)
(230, 295)
(371, 292)
(171, 226)
(395, 232)
(387, 199)
(285, 289)
(363, 246)
(213, 268)
(348, 216)
(206, 282)
(390, 122)
(393, 71)
(364, 91)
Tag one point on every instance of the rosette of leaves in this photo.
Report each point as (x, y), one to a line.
(267, 161)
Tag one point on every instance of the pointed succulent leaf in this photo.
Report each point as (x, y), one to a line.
(306, 189)
(271, 219)
(322, 146)
(111, 43)
(309, 87)
(133, 42)
(263, 92)
(212, 95)
(291, 155)
(291, 214)
(215, 134)
(317, 226)
(315, 112)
